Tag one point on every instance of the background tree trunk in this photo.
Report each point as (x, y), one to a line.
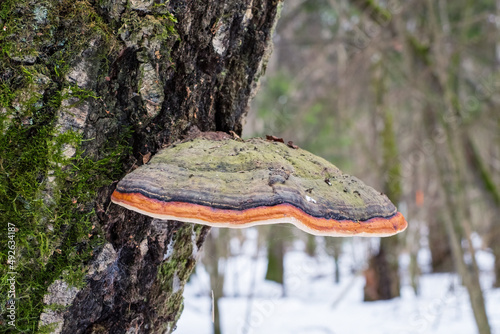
(216, 250)
(492, 192)
(275, 255)
(382, 275)
(439, 245)
(89, 91)
(333, 247)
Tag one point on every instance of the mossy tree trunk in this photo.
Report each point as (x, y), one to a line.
(382, 275)
(89, 90)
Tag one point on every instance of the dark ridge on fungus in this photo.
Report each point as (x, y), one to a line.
(253, 204)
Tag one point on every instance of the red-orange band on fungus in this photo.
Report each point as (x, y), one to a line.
(376, 225)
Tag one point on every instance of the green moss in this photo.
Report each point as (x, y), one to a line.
(31, 31)
(174, 272)
(179, 264)
(47, 328)
(176, 302)
(377, 13)
(49, 198)
(80, 93)
(47, 195)
(140, 31)
(56, 307)
(421, 50)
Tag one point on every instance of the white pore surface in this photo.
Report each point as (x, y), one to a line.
(314, 304)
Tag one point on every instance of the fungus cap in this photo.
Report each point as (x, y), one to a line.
(214, 179)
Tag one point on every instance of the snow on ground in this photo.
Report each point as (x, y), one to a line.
(314, 304)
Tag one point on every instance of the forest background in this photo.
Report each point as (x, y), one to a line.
(403, 95)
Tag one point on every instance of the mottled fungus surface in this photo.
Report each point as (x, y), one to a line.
(220, 181)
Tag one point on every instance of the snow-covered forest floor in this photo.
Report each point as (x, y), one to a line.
(314, 304)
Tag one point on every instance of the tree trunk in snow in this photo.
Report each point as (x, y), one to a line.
(89, 90)
(216, 250)
(275, 255)
(492, 192)
(382, 275)
(441, 253)
(333, 247)
(456, 224)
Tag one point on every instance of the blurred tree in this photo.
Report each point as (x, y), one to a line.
(333, 247)
(383, 268)
(443, 115)
(441, 61)
(275, 255)
(441, 254)
(311, 245)
(492, 191)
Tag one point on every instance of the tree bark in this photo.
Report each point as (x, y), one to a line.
(441, 252)
(452, 182)
(441, 116)
(382, 275)
(491, 192)
(88, 91)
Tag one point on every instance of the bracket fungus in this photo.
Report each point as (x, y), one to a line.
(214, 179)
